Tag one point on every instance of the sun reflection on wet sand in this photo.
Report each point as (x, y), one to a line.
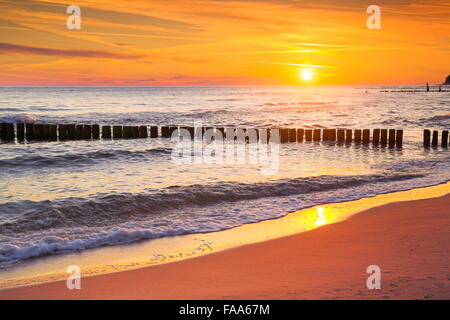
(321, 217)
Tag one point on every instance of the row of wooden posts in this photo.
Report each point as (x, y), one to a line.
(432, 138)
(51, 132)
(413, 91)
(391, 137)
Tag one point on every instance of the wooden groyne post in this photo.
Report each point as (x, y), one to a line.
(444, 142)
(153, 132)
(7, 131)
(165, 132)
(71, 131)
(20, 128)
(308, 135)
(358, 135)
(143, 133)
(53, 132)
(384, 137)
(426, 137)
(348, 135)
(284, 135)
(326, 135)
(391, 138)
(434, 139)
(317, 135)
(62, 132)
(333, 135)
(376, 137)
(300, 134)
(37, 128)
(341, 135)
(106, 132)
(126, 133)
(134, 132)
(431, 138)
(95, 131)
(399, 138)
(366, 136)
(78, 131)
(117, 132)
(292, 135)
(29, 131)
(87, 132)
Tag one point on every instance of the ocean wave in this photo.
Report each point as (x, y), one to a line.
(110, 209)
(16, 118)
(298, 107)
(64, 160)
(439, 120)
(16, 247)
(10, 110)
(12, 253)
(301, 103)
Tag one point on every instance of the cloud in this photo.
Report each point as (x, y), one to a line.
(9, 48)
(299, 65)
(113, 16)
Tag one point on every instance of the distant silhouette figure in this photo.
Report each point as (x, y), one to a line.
(428, 87)
(440, 89)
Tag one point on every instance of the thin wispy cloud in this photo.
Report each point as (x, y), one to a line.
(276, 51)
(325, 45)
(342, 47)
(9, 48)
(298, 64)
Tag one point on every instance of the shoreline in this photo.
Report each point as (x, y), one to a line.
(220, 263)
(110, 259)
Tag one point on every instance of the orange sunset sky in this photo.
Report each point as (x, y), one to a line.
(219, 42)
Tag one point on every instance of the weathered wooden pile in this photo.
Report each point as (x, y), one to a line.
(62, 132)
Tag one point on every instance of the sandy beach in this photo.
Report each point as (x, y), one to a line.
(408, 240)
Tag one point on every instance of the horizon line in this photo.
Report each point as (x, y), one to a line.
(223, 85)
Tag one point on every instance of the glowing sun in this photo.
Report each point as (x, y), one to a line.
(306, 74)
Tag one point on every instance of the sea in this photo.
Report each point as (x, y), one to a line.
(69, 196)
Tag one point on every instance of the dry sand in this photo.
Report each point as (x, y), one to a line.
(409, 241)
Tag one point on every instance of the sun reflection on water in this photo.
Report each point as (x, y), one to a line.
(321, 216)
